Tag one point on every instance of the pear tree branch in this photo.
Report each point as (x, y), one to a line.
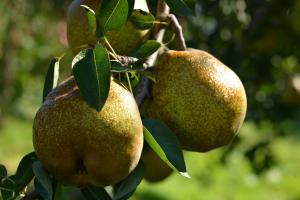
(177, 29)
(143, 89)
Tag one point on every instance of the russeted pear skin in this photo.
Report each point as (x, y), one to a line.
(79, 34)
(156, 169)
(199, 98)
(80, 146)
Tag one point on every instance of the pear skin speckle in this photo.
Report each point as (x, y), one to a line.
(199, 98)
(81, 146)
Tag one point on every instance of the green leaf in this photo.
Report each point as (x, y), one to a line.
(113, 14)
(95, 193)
(130, 6)
(119, 68)
(142, 20)
(57, 190)
(182, 7)
(126, 197)
(164, 142)
(92, 19)
(51, 77)
(43, 180)
(40, 189)
(24, 172)
(78, 57)
(130, 183)
(92, 75)
(7, 188)
(146, 49)
(3, 172)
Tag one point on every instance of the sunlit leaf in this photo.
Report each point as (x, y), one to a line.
(142, 20)
(182, 7)
(113, 14)
(146, 49)
(92, 75)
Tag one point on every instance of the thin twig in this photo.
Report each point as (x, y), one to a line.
(143, 88)
(177, 29)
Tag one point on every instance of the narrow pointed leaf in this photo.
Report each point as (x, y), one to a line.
(40, 189)
(126, 187)
(113, 14)
(142, 20)
(95, 193)
(92, 75)
(182, 7)
(43, 179)
(146, 49)
(92, 19)
(51, 77)
(103, 72)
(24, 172)
(130, 6)
(164, 142)
(78, 57)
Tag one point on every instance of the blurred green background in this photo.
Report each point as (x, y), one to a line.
(258, 39)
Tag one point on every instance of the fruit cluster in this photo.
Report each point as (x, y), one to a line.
(200, 99)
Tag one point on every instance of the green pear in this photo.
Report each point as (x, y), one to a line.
(79, 34)
(81, 146)
(156, 169)
(199, 98)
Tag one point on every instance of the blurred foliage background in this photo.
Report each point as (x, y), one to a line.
(258, 39)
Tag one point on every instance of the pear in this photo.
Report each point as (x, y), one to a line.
(80, 146)
(124, 40)
(156, 169)
(199, 98)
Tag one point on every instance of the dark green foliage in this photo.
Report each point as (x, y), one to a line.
(92, 75)
(142, 20)
(43, 183)
(113, 14)
(146, 49)
(3, 172)
(51, 79)
(24, 172)
(164, 142)
(95, 193)
(125, 188)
